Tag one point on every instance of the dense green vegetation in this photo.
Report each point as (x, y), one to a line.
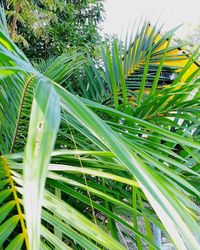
(96, 153)
(46, 28)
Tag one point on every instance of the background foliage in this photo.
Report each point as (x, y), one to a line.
(45, 28)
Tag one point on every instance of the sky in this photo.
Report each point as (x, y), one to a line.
(120, 14)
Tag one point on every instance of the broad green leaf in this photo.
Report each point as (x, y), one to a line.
(67, 168)
(3, 183)
(44, 123)
(16, 243)
(4, 194)
(5, 210)
(7, 227)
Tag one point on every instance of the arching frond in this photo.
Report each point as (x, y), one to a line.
(91, 175)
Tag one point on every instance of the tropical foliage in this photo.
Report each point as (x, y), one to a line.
(99, 162)
(45, 27)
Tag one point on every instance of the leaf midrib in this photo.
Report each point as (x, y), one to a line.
(20, 111)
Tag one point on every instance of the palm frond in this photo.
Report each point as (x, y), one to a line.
(111, 168)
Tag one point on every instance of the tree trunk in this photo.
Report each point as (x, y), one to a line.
(14, 23)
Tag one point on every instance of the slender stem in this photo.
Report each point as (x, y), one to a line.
(14, 23)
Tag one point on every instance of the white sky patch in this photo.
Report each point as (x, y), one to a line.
(120, 14)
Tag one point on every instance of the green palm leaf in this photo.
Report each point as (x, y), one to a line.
(87, 165)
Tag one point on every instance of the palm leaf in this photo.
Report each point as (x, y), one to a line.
(113, 162)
